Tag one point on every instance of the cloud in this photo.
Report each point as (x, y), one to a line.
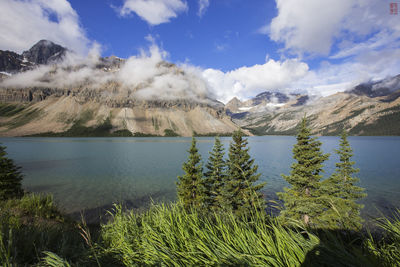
(146, 76)
(203, 6)
(23, 23)
(360, 35)
(246, 82)
(313, 26)
(154, 12)
(309, 26)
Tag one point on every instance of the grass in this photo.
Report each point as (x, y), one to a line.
(23, 117)
(34, 232)
(8, 110)
(168, 235)
(33, 225)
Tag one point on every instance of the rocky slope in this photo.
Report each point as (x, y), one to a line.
(368, 109)
(96, 98)
(43, 52)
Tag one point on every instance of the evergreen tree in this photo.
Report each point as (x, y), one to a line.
(215, 177)
(240, 194)
(342, 193)
(10, 177)
(302, 201)
(189, 186)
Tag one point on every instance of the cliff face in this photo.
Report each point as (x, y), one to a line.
(142, 95)
(44, 110)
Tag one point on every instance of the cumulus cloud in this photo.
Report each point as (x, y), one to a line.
(23, 23)
(309, 26)
(246, 82)
(359, 34)
(203, 5)
(313, 26)
(154, 12)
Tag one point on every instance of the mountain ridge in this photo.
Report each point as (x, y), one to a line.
(55, 104)
(105, 94)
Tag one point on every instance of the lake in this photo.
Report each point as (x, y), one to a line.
(90, 173)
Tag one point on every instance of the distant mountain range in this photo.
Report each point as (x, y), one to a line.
(367, 109)
(99, 103)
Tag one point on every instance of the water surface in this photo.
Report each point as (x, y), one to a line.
(86, 173)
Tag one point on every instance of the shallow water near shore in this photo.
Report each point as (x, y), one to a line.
(93, 173)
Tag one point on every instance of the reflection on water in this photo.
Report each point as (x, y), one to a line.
(93, 173)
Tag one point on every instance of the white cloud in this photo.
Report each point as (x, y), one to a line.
(146, 76)
(203, 5)
(246, 82)
(23, 23)
(313, 26)
(362, 34)
(154, 11)
(309, 26)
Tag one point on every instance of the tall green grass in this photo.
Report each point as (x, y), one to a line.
(33, 233)
(167, 234)
(33, 225)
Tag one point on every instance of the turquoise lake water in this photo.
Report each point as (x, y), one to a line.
(87, 173)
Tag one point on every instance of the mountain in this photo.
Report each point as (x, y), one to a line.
(106, 97)
(366, 109)
(42, 95)
(43, 52)
(11, 62)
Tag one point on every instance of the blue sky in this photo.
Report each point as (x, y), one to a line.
(238, 47)
(224, 37)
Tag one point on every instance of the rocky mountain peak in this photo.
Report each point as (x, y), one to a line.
(44, 52)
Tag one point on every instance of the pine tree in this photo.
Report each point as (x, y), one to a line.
(240, 193)
(189, 186)
(302, 201)
(342, 193)
(10, 177)
(215, 177)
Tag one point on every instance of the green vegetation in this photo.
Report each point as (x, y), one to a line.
(214, 178)
(240, 193)
(32, 225)
(138, 134)
(172, 236)
(170, 133)
(219, 220)
(24, 117)
(341, 193)
(303, 200)
(387, 124)
(8, 110)
(156, 123)
(195, 134)
(10, 177)
(78, 130)
(189, 186)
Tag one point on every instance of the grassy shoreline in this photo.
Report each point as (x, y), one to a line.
(33, 231)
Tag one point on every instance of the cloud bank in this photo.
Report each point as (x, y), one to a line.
(146, 76)
(23, 23)
(154, 12)
(246, 82)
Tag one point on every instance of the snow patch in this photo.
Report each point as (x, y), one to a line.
(5, 73)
